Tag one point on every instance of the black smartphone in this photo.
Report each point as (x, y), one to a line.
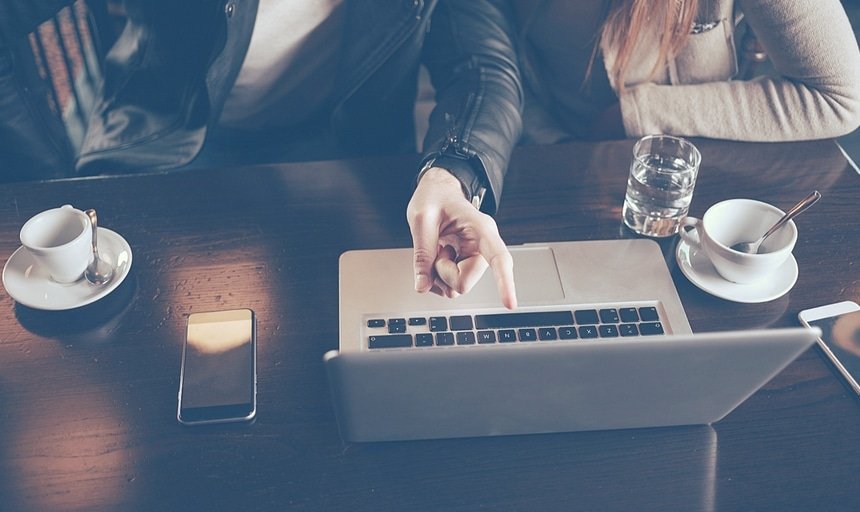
(840, 336)
(218, 377)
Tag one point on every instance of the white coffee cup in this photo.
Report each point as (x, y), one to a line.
(60, 241)
(740, 220)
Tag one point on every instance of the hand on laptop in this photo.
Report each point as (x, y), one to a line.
(453, 242)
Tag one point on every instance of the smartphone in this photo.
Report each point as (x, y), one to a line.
(218, 376)
(840, 336)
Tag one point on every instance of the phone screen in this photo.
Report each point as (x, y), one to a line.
(841, 335)
(218, 368)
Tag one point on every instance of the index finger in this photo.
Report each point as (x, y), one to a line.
(496, 253)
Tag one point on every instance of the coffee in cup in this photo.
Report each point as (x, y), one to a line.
(740, 220)
(60, 241)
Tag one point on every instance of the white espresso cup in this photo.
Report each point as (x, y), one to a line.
(60, 241)
(740, 220)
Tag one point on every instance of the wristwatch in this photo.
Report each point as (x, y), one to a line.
(471, 182)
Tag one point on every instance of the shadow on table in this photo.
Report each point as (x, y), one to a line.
(645, 469)
(93, 324)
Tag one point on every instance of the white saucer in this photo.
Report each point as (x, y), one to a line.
(32, 286)
(699, 270)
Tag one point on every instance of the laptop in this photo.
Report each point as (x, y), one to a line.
(599, 341)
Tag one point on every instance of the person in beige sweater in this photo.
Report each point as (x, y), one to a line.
(626, 68)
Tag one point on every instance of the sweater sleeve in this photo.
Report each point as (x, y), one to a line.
(815, 95)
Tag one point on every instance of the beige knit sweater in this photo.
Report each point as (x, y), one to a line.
(810, 42)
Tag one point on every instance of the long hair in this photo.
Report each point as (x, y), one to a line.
(626, 20)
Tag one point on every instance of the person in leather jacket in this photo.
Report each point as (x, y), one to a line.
(172, 69)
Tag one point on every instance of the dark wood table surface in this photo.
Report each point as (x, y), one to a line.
(88, 396)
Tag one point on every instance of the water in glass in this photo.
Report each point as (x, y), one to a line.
(659, 191)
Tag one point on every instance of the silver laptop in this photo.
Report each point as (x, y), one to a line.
(600, 341)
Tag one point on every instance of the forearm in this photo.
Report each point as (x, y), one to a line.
(815, 95)
(762, 110)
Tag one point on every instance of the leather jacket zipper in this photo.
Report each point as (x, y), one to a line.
(454, 139)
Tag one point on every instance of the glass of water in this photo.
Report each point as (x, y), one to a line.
(660, 186)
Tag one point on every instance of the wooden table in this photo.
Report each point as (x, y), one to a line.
(88, 396)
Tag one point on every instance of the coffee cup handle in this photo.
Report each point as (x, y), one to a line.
(692, 236)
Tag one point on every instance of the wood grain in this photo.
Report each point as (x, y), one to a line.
(88, 396)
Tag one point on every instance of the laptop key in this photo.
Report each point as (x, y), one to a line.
(507, 335)
(527, 335)
(424, 339)
(444, 338)
(465, 338)
(390, 341)
(567, 333)
(628, 330)
(376, 322)
(418, 321)
(487, 337)
(461, 323)
(608, 316)
(547, 334)
(396, 328)
(586, 316)
(438, 323)
(588, 331)
(608, 331)
(649, 314)
(629, 314)
(515, 320)
(650, 328)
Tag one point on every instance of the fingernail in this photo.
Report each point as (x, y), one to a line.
(422, 283)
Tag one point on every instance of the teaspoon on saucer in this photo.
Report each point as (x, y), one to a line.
(99, 271)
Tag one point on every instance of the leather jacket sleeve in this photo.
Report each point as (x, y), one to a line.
(471, 57)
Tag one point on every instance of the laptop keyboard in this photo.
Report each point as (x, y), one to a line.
(440, 330)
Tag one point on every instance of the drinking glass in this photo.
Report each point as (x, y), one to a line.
(660, 185)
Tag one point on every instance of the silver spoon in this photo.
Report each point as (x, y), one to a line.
(806, 202)
(99, 271)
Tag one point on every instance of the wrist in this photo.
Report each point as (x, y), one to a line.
(471, 184)
(442, 179)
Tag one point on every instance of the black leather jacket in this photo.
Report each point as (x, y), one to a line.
(168, 76)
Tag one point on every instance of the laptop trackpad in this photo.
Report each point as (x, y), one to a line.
(535, 276)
